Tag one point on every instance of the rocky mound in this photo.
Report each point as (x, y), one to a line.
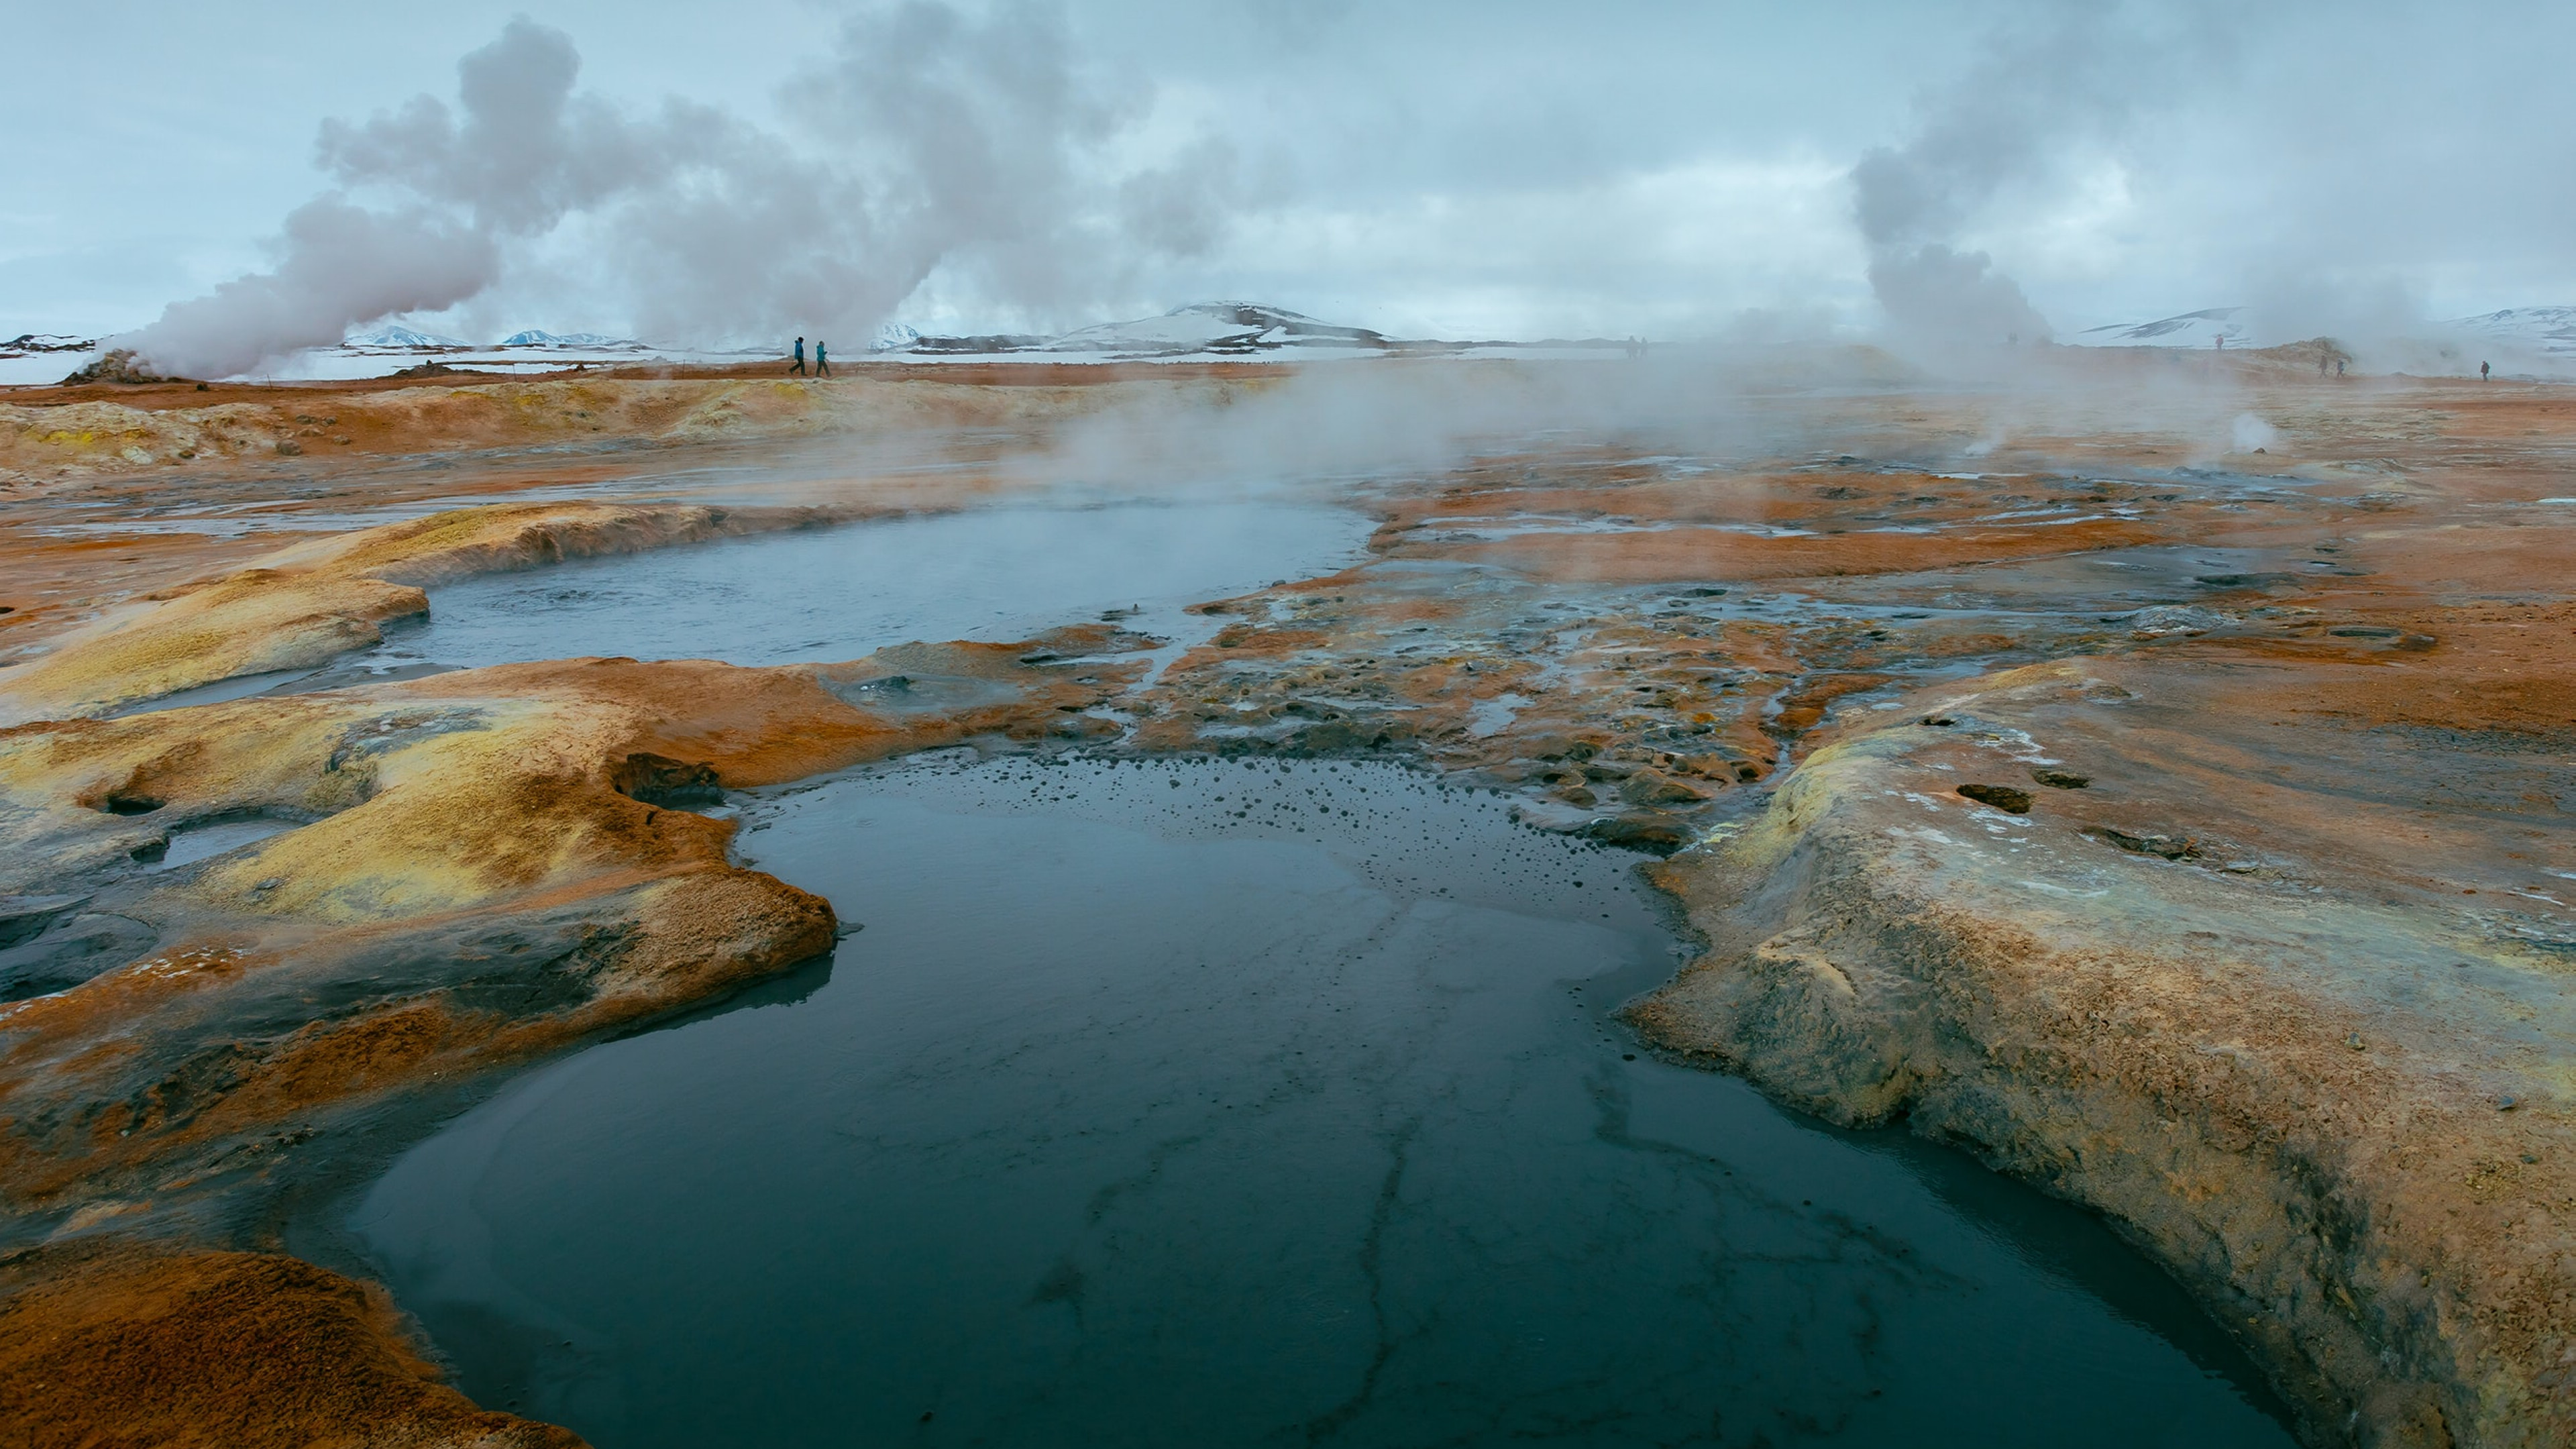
(118, 364)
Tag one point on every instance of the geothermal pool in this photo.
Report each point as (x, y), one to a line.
(1002, 572)
(1197, 1102)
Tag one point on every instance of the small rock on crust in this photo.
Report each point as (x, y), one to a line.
(2001, 797)
(2163, 845)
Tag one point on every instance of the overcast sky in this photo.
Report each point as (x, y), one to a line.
(1471, 169)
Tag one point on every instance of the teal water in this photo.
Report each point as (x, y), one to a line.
(1190, 1103)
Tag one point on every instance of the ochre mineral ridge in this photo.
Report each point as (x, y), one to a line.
(2239, 918)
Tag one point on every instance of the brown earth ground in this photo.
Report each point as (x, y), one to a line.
(2182, 828)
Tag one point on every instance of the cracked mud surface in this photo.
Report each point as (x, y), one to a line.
(2280, 988)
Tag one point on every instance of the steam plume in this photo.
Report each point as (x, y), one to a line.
(934, 139)
(2005, 124)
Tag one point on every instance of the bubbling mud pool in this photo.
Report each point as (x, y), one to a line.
(1002, 572)
(1204, 1102)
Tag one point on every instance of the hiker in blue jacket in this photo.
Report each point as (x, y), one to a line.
(799, 369)
(822, 360)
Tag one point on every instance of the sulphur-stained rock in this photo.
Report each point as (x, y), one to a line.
(2283, 1082)
(222, 1350)
(305, 605)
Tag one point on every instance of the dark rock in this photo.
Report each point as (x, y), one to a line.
(1645, 830)
(1562, 747)
(117, 365)
(2161, 845)
(660, 780)
(2001, 797)
(1339, 737)
(1653, 787)
(2061, 779)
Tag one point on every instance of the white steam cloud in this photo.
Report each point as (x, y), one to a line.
(932, 138)
(2070, 77)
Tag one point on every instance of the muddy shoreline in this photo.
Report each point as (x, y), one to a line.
(2279, 988)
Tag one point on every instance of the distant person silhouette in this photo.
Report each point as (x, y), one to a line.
(822, 360)
(799, 369)
(2482, 372)
(2338, 367)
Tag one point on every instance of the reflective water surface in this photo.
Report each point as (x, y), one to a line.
(1002, 572)
(1197, 1103)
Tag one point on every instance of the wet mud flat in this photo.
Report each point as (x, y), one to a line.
(1179, 1102)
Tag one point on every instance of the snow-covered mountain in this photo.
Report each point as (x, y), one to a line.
(401, 337)
(2550, 331)
(586, 340)
(2203, 329)
(27, 344)
(1201, 329)
(1218, 327)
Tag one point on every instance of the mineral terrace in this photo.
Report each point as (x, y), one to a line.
(2179, 826)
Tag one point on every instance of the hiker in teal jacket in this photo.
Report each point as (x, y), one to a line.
(799, 369)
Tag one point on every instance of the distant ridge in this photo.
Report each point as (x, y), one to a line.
(2204, 328)
(402, 337)
(534, 338)
(1220, 329)
(2550, 331)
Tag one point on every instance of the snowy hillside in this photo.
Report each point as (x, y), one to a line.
(587, 340)
(28, 344)
(1236, 328)
(401, 339)
(2547, 331)
(2204, 329)
(1199, 330)
(38, 358)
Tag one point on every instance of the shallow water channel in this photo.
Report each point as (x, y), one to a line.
(999, 572)
(1205, 1103)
